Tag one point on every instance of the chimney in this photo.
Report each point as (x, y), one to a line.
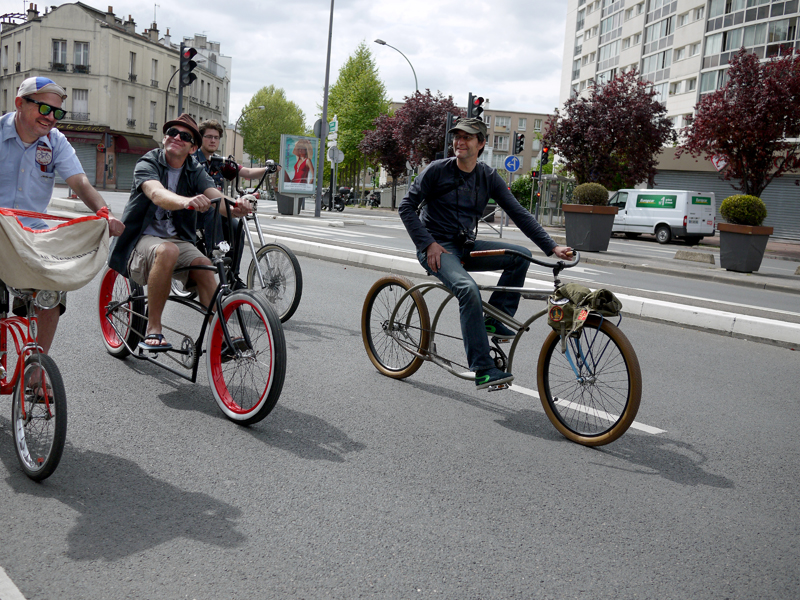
(32, 12)
(110, 19)
(130, 25)
(153, 33)
(167, 39)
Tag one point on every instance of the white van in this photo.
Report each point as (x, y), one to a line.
(665, 213)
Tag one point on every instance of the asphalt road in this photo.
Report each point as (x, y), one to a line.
(362, 486)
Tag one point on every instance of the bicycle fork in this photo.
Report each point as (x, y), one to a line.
(582, 357)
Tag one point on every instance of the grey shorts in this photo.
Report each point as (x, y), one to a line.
(144, 255)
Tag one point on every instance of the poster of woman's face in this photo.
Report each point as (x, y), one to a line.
(299, 155)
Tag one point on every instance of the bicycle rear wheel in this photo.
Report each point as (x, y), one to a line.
(592, 392)
(247, 380)
(283, 279)
(39, 417)
(116, 292)
(385, 342)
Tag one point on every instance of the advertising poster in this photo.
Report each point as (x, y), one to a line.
(299, 160)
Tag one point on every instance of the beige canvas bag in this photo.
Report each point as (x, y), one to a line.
(62, 258)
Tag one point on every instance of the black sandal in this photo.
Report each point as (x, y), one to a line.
(143, 345)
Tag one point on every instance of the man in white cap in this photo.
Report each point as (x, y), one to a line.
(31, 151)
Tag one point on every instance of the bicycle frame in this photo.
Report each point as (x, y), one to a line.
(511, 322)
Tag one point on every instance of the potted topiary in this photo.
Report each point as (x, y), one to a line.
(742, 240)
(589, 219)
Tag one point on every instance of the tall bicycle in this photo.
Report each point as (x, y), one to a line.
(590, 385)
(31, 377)
(245, 351)
(274, 270)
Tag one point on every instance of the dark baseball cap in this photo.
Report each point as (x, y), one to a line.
(472, 126)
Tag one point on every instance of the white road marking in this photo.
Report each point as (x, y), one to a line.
(590, 411)
(8, 591)
(321, 231)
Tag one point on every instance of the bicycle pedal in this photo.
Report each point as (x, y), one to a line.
(497, 388)
(501, 340)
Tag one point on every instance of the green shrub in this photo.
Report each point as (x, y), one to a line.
(590, 193)
(743, 210)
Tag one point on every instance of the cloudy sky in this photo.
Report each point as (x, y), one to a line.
(508, 51)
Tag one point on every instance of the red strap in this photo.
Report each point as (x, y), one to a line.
(13, 212)
(103, 212)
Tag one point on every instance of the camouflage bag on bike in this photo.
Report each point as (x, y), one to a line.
(570, 306)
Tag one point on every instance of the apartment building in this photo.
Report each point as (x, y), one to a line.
(683, 48)
(120, 84)
(501, 126)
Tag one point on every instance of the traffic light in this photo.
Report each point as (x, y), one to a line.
(187, 66)
(519, 143)
(474, 106)
(545, 152)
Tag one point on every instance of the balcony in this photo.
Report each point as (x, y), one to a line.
(132, 77)
(154, 83)
(131, 122)
(80, 68)
(18, 67)
(58, 67)
(77, 116)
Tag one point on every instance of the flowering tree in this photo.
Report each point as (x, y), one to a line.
(614, 135)
(750, 120)
(420, 125)
(380, 145)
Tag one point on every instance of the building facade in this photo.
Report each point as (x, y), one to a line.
(120, 84)
(501, 126)
(683, 48)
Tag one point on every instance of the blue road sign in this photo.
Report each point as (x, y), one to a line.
(512, 163)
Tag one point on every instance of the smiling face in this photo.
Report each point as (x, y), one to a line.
(466, 146)
(30, 123)
(176, 149)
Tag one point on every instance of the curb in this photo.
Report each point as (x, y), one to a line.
(730, 324)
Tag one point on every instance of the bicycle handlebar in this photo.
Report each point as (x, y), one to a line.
(557, 265)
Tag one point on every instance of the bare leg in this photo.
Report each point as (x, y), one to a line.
(206, 282)
(159, 283)
(48, 322)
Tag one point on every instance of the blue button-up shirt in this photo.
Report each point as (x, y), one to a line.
(27, 174)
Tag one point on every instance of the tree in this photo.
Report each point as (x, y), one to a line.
(380, 145)
(749, 120)
(614, 135)
(358, 97)
(262, 129)
(420, 125)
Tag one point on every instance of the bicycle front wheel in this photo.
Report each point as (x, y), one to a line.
(121, 308)
(388, 344)
(591, 393)
(283, 280)
(39, 417)
(246, 380)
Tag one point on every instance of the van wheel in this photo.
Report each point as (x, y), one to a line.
(663, 234)
(631, 236)
(692, 240)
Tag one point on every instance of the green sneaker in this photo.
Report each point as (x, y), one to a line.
(493, 376)
(495, 328)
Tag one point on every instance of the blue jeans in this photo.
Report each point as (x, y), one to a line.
(456, 278)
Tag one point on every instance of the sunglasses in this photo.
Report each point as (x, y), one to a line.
(46, 109)
(185, 137)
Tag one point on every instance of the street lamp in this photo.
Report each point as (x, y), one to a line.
(382, 43)
(236, 127)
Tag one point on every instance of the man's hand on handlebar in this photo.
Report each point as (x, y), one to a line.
(115, 226)
(199, 203)
(244, 205)
(564, 252)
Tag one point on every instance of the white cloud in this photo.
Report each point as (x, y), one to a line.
(508, 50)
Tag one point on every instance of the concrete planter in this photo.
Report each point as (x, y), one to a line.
(588, 227)
(741, 247)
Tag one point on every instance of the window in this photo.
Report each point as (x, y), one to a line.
(628, 14)
(523, 124)
(698, 13)
(171, 111)
(502, 122)
(4, 60)
(691, 84)
(131, 119)
(779, 30)
(536, 144)
(132, 64)
(640, 8)
(637, 38)
(626, 43)
(608, 51)
(713, 44)
(675, 88)
(657, 61)
(712, 80)
(487, 119)
(59, 53)
(80, 105)
(153, 124)
(82, 54)
(537, 124)
(683, 19)
(680, 54)
(19, 52)
(755, 35)
(694, 49)
(733, 40)
(154, 72)
(500, 141)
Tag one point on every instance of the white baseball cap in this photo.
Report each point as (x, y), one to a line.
(40, 85)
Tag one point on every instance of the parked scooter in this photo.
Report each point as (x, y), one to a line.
(374, 199)
(338, 201)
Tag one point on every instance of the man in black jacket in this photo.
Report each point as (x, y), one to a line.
(455, 192)
(169, 189)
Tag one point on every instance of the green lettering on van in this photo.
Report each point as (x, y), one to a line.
(656, 201)
(701, 200)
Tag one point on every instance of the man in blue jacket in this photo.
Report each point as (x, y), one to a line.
(455, 192)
